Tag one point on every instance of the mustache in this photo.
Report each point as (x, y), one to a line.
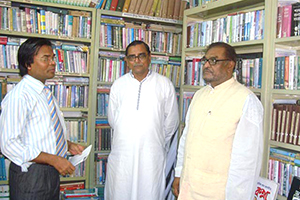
(137, 65)
(207, 70)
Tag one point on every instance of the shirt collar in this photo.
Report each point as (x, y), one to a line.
(34, 83)
(223, 85)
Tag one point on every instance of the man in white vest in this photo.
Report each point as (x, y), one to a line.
(220, 151)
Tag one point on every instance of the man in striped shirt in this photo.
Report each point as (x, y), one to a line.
(32, 128)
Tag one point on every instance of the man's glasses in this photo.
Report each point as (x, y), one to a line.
(142, 57)
(212, 61)
(48, 59)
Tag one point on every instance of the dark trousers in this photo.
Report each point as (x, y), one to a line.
(41, 182)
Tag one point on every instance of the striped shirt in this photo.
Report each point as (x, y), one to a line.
(26, 128)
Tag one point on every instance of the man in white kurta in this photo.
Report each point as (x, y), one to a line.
(143, 113)
(220, 151)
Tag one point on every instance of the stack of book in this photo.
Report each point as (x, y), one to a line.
(80, 194)
(72, 186)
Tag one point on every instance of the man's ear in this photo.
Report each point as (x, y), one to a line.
(230, 66)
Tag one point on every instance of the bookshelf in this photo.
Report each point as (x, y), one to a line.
(113, 53)
(74, 47)
(281, 46)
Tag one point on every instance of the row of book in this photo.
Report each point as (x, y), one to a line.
(234, 27)
(249, 72)
(116, 32)
(45, 20)
(187, 98)
(110, 69)
(167, 66)
(103, 139)
(80, 170)
(77, 130)
(287, 72)
(283, 166)
(100, 168)
(172, 9)
(288, 20)
(102, 104)
(70, 96)
(72, 61)
(69, 58)
(285, 123)
(4, 168)
(8, 56)
(193, 72)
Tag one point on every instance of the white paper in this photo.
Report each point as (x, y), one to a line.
(75, 160)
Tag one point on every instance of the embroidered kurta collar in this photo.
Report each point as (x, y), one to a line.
(149, 73)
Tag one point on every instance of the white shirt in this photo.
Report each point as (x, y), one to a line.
(26, 128)
(249, 135)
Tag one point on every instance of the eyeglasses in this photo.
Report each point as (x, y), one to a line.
(47, 59)
(212, 61)
(142, 57)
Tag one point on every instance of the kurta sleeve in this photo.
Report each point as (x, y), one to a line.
(112, 106)
(247, 149)
(181, 147)
(171, 113)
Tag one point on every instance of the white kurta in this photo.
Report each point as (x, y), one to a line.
(144, 116)
(246, 155)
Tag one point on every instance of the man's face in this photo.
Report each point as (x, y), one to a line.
(138, 61)
(43, 66)
(221, 71)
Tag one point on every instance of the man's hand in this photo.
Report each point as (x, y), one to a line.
(62, 165)
(175, 186)
(74, 148)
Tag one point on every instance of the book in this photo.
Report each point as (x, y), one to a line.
(182, 8)
(126, 6)
(113, 5)
(120, 5)
(148, 9)
(170, 9)
(286, 21)
(295, 22)
(142, 9)
(266, 189)
(294, 193)
(72, 186)
(138, 6)
(132, 6)
(176, 9)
